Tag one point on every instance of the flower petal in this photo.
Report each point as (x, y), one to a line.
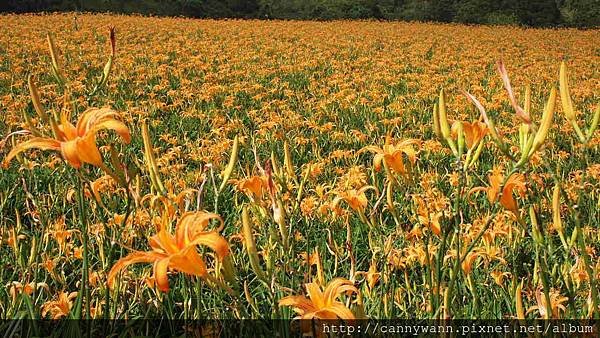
(33, 143)
(160, 274)
(315, 295)
(88, 151)
(70, 153)
(116, 125)
(132, 258)
(189, 262)
(214, 241)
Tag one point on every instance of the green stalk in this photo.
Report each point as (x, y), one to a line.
(545, 281)
(84, 231)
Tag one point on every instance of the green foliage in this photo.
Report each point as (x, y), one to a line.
(576, 13)
(581, 13)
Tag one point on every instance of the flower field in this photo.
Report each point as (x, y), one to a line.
(178, 168)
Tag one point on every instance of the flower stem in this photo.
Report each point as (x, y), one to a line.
(84, 231)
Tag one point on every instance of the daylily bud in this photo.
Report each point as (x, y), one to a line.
(229, 271)
(556, 220)
(35, 98)
(477, 153)
(56, 66)
(565, 95)
(108, 65)
(302, 184)
(390, 196)
(251, 246)
(523, 135)
(594, 124)
(151, 161)
(528, 100)
(545, 124)
(519, 301)
(275, 165)
(436, 121)
(279, 216)
(287, 160)
(231, 165)
(535, 230)
(444, 126)
(556, 208)
(249, 296)
(111, 36)
(574, 235)
(461, 139)
(33, 251)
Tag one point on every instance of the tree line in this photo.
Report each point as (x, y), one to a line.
(535, 13)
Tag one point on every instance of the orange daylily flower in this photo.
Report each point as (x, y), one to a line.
(516, 182)
(322, 304)
(60, 307)
(429, 218)
(356, 199)
(178, 252)
(77, 144)
(474, 132)
(371, 277)
(556, 304)
(392, 155)
(254, 187)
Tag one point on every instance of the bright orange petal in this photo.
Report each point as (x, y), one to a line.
(91, 117)
(338, 310)
(118, 126)
(165, 242)
(189, 262)
(70, 153)
(88, 151)
(336, 287)
(315, 295)
(33, 143)
(214, 241)
(132, 258)
(193, 223)
(300, 302)
(395, 162)
(160, 274)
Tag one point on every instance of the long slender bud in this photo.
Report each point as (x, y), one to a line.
(535, 228)
(251, 246)
(56, 65)
(594, 124)
(231, 165)
(35, 98)
(287, 160)
(527, 100)
(436, 121)
(545, 124)
(519, 301)
(565, 94)
(556, 220)
(151, 161)
(444, 124)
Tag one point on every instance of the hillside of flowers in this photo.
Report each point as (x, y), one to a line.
(181, 169)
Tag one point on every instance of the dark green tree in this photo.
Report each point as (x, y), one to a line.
(581, 13)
